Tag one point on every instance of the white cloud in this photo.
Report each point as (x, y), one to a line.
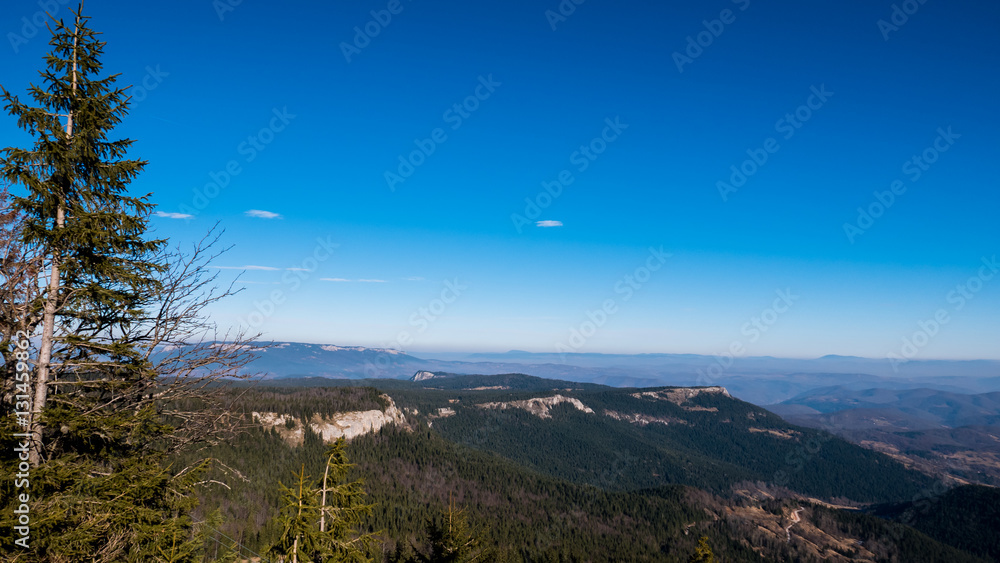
(173, 215)
(251, 267)
(298, 269)
(262, 214)
(414, 278)
(548, 223)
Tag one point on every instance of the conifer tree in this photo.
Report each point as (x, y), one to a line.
(703, 553)
(343, 508)
(321, 525)
(451, 540)
(90, 231)
(109, 400)
(299, 519)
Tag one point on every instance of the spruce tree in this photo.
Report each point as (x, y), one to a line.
(299, 519)
(90, 231)
(703, 553)
(322, 524)
(108, 401)
(451, 540)
(343, 508)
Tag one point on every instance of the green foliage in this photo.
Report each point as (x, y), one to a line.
(703, 554)
(303, 405)
(134, 510)
(710, 441)
(299, 520)
(343, 509)
(77, 207)
(966, 517)
(450, 540)
(99, 487)
(320, 524)
(516, 513)
(892, 542)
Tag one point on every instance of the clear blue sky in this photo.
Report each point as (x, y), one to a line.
(544, 93)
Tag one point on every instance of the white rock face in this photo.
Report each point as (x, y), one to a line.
(680, 395)
(786, 434)
(347, 424)
(335, 348)
(644, 419)
(422, 376)
(539, 406)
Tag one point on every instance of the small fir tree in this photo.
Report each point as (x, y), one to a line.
(703, 553)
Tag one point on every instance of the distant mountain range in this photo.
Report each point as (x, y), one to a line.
(913, 409)
(759, 380)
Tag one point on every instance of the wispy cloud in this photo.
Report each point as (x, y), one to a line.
(548, 224)
(357, 281)
(262, 214)
(414, 278)
(298, 269)
(169, 215)
(250, 267)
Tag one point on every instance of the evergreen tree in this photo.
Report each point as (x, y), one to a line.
(89, 231)
(703, 553)
(102, 414)
(343, 509)
(321, 525)
(299, 518)
(451, 540)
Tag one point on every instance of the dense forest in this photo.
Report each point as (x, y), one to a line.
(967, 517)
(413, 473)
(710, 441)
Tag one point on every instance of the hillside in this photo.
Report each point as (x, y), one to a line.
(964, 517)
(641, 438)
(952, 435)
(412, 470)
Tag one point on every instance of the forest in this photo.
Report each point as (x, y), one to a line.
(416, 472)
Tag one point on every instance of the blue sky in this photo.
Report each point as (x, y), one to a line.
(265, 89)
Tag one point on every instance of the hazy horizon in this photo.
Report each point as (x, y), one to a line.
(434, 353)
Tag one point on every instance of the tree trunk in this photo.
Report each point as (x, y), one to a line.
(322, 503)
(49, 315)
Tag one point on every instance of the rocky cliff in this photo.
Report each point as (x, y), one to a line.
(346, 424)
